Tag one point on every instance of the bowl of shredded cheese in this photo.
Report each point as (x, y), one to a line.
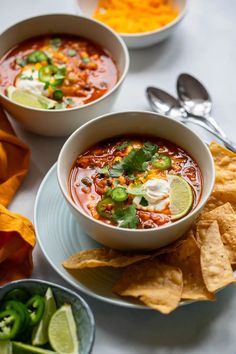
(140, 23)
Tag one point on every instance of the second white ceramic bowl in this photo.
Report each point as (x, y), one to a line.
(145, 123)
(64, 122)
(145, 39)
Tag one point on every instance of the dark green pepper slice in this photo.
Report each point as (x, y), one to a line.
(35, 306)
(119, 194)
(58, 95)
(163, 162)
(102, 207)
(22, 311)
(37, 56)
(17, 294)
(10, 323)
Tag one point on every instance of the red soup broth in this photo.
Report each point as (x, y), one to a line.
(94, 177)
(86, 70)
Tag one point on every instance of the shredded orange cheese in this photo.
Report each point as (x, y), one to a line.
(135, 16)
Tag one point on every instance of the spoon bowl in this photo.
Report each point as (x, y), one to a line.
(193, 96)
(163, 103)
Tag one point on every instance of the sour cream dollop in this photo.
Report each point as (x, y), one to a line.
(156, 193)
(32, 84)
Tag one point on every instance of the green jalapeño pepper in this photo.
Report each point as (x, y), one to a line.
(52, 75)
(10, 323)
(163, 162)
(103, 209)
(119, 194)
(35, 307)
(21, 310)
(37, 56)
(47, 73)
(17, 294)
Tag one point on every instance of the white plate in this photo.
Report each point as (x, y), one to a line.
(59, 237)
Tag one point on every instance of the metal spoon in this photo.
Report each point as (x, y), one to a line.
(163, 103)
(196, 100)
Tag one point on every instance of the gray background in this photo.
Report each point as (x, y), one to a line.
(204, 46)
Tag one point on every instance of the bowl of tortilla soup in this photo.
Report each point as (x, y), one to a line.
(59, 71)
(139, 183)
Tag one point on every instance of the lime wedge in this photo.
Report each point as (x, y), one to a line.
(21, 348)
(40, 332)
(181, 196)
(5, 347)
(28, 98)
(62, 331)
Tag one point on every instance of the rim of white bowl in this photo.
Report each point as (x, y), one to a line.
(179, 18)
(65, 192)
(119, 82)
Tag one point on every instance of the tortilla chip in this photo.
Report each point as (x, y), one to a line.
(215, 264)
(156, 284)
(226, 219)
(102, 257)
(187, 258)
(225, 183)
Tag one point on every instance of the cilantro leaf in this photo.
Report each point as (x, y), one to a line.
(71, 52)
(152, 148)
(103, 171)
(143, 202)
(117, 169)
(55, 43)
(135, 161)
(21, 61)
(122, 146)
(126, 217)
(25, 77)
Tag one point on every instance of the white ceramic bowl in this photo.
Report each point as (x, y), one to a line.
(146, 123)
(140, 40)
(64, 122)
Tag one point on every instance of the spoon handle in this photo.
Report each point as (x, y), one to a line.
(212, 122)
(230, 145)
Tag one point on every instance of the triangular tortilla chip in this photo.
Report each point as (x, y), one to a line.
(156, 284)
(215, 264)
(187, 258)
(102, 257)
(226, 219)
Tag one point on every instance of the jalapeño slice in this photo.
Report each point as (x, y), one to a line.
(21, 310)
(163, 162)
(102, 207)
(119, 194)
(51, 75)
(10, 323)
(37, 56)
(17, 294)
(35, 306)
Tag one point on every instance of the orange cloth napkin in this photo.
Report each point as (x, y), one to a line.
(17, 236)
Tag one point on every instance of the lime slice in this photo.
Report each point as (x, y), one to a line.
(62, 331)
(28, 98)
(5, 347)
(40, 332)
(21, 348)
(181, 196)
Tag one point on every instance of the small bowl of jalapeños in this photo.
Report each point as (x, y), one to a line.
(40, 317)
(59, 71)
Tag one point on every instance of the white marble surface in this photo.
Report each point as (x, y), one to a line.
(204, 45)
